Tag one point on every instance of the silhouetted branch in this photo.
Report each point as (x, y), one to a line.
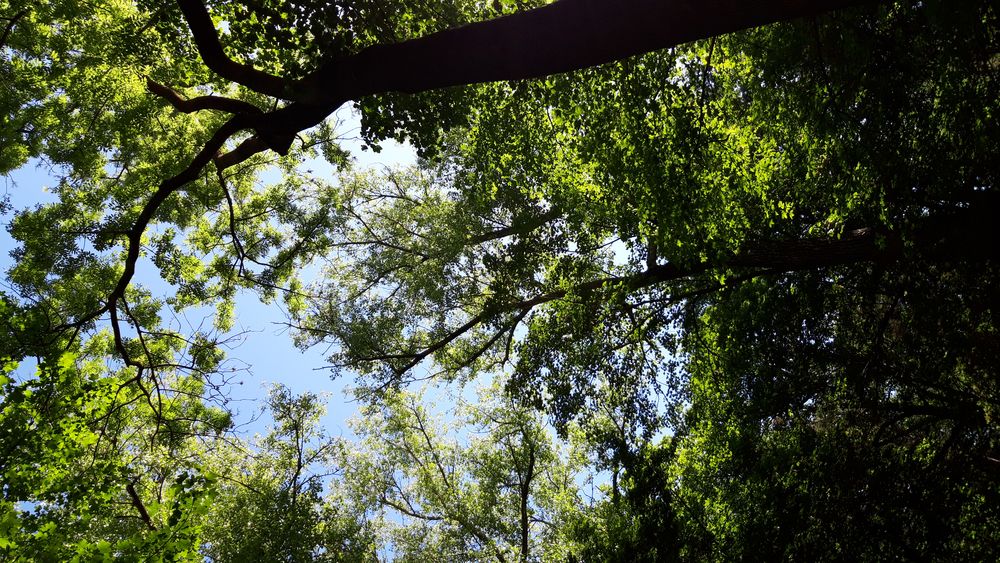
(137, 503)
(10, 26)
(219, 103)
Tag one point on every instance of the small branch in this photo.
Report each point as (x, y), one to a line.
(120, 342)
(403, 510)
(137, 503)
(240, 253)
(508, 329)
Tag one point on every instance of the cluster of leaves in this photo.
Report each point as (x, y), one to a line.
(78, 446)
(550, 213)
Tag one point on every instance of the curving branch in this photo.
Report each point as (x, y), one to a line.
(241, 153)
(206, 38)
(240, 253)
(409, 511)
(219, 103)
(861, 245)
(168, 187)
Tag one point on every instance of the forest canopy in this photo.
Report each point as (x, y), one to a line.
(670, 280)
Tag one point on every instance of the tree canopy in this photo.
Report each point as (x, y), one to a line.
(724, 273)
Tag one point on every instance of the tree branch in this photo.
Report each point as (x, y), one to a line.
(206, 38)
(403, 510)
(168, 187)
(563, 36)
(517, 228)
(219, 103)
(559, 37)
(137, 503)
(10, 27)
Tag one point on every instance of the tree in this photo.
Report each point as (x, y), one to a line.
(95, 464)
(489, 485)
(317, 94)
(872, 428)
(773, 244)
(852, 233)
(270, 505)
(513, 226)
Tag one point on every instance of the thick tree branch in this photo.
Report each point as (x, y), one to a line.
(168, 187)
(563, 36)
(518, 228)
(965, 234)
(206, 38)
(241, 153)
(525, 493)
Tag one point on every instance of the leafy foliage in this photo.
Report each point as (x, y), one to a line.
(745, 288)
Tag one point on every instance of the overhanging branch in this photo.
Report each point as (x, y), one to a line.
(562, 36)
(767, 257)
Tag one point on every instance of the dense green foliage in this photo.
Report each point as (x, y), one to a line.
(733, 300)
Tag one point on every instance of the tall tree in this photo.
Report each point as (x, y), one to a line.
(57, 39)
(489, 485)
(270, 503)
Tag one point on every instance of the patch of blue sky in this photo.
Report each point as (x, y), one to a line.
(260, 348)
